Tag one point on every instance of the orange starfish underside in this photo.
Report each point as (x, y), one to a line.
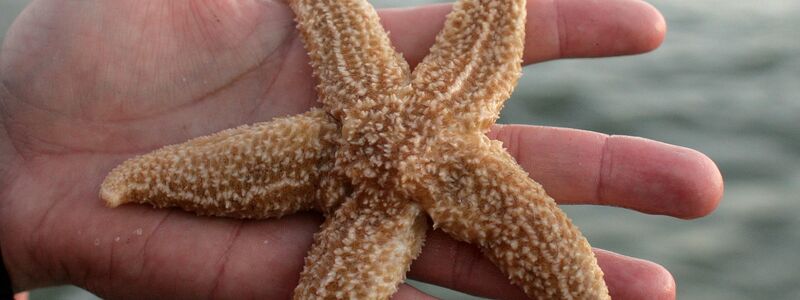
(389, 149)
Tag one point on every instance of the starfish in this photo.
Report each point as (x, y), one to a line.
(388, 150)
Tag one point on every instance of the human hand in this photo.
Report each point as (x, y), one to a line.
(87, 84)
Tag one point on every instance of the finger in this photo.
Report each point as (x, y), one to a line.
(633, 278)
(582, 167)
(407, 292)
(555, 28)
(22, 296)
(462, 267)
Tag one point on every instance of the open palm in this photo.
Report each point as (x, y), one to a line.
(87, 84)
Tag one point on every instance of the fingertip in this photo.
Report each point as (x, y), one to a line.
(707, 189)
(696, 181)
(664, 283)
(639, 25)
(660, 282)
(22, 296)
(406, 291)
(633, 278)
(659, 178)
(653, 29)
(608, 28)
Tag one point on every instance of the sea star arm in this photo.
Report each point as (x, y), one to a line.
(473, 66)
(350, 53)
(257, 171)
(474, 191)
(365, 249)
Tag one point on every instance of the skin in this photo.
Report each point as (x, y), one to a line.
(87, 84)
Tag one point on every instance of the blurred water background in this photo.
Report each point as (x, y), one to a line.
(726, 82)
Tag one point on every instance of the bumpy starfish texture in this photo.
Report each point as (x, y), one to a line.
(388, 149)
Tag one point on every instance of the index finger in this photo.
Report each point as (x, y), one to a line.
(554, 29)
